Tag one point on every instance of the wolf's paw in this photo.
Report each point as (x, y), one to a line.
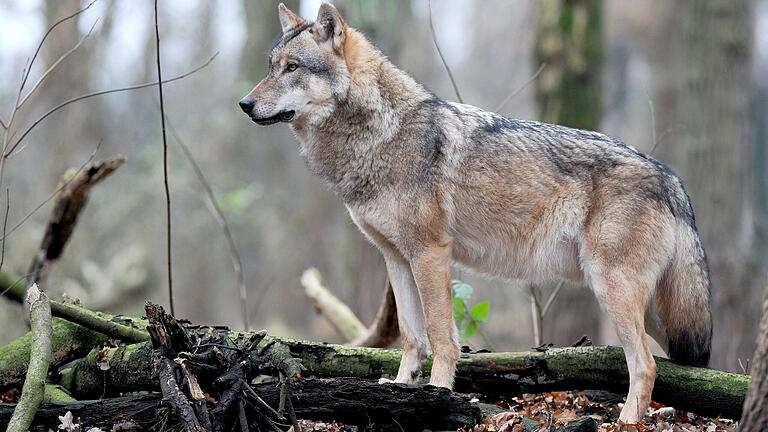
(386, 381)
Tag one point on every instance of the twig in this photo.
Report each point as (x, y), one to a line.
(521, 88)
(440, 52)
(655, 142)
(5, 225)
(551, 299)
(2, 124)
(10, 152)
(40, 357)
(536, 315)
(285, 396)
(45, 36)
(24, 77)
(165, 170)
(218, 215)
(54, 66)
(88, 319)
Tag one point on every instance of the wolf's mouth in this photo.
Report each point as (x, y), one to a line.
(284, 116)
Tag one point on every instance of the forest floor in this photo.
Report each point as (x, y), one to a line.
(573, 412)
(567, 411)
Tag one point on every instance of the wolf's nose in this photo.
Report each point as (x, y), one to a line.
(247, 104)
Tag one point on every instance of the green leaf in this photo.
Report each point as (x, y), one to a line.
(469, 330)
(459, 310)
(480, 311)
(461, 290)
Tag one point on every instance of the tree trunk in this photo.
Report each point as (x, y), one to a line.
(700, 65)
(755, 415)
(568, 92)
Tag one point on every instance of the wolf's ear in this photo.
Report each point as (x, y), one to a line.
(330, 27)
(288, 19)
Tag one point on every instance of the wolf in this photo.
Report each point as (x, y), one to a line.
(431, 183)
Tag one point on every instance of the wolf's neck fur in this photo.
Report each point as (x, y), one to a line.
(362, 122)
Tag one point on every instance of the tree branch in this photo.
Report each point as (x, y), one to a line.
(218, 215)
(440, 52)
(168, 250)
(10, 152)
(40, 357)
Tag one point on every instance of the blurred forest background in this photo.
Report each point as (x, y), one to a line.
(685, 80)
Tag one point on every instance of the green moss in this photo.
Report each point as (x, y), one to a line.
(69, 341)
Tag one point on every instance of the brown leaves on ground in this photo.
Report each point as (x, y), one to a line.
(320, 426)
(10, 396)
(568, 411)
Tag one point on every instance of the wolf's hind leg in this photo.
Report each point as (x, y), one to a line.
(624, 297)
(410, 316)
(432, 274)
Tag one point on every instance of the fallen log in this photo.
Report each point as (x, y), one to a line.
(347, 400)
(702, 391)
(70, 341)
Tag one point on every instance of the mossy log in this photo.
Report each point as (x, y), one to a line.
(703, 391)
(70, 341)
(348, 400)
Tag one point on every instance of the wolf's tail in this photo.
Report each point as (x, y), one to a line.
(682, 299)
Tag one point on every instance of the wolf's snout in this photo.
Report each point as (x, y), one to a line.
(246, 104)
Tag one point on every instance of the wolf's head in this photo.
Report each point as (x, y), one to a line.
(307, 70)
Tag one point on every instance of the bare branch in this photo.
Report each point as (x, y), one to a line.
(536, 315)
(42, 41)
(11, 151)
(2, 124)
(551, 299)
(655, 141)
(5, 225)
(440, 52)
(55, 65)
(165, 170)
(218, 215)
(521, 88)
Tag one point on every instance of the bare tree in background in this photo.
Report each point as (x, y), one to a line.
(701, 74)
(568, 92)
(755, 416)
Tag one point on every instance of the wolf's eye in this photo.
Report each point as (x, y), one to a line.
(291, 67)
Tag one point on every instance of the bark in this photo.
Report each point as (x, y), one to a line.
(755, 415)
(703, 391)
(569, 43)
(33, 391)
(348, 400)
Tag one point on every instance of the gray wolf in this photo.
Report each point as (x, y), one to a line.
(432, 182)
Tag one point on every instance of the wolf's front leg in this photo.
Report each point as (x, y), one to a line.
(410, 316)
(433, 277)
